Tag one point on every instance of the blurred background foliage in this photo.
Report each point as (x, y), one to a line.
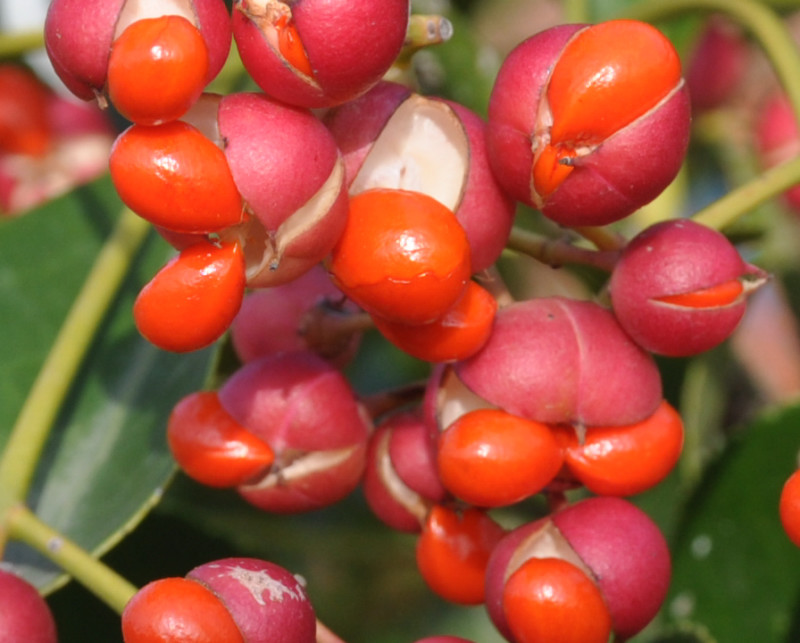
(736, 576)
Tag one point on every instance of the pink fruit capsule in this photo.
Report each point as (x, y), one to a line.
(588, 123)
(680, 288)
(393, 138)
(557, 360)
(318, 53)
(79, 35)
(306, 411)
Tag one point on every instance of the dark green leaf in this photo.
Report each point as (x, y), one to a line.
(107, 461)
(735, 570)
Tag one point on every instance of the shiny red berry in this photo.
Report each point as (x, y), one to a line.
(176, 178)
(789, 507)
(551, 600)
(453, 551)
(193, 299)
(157, 69)
(210, 446)
(402, 255)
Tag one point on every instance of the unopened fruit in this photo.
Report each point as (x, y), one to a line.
(536, 365)
(24, 614)
(680, 288)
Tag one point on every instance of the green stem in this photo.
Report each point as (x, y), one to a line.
(35, 421)
(764, 24)
(424, 30)
(557, 253)
(738, 202)
(600, 237)
(93, 574)
(16, 44)
(576, 11)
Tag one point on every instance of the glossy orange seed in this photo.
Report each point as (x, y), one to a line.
(402, 256)
(193, 299)
(550, 167)
(491, 458)
(453, 551)
(723, 294)
(210, 446)
(157, 69)
(625, 460)
(458, 334)
(551, 600)
(607, 76)
(176, 178)
(789, 507)
(291, 47)
(177, 610)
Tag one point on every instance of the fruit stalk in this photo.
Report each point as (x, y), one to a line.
(738, 202)
(423, 31)
(576, 11)
(556, 253)
(100, 579)
(21, 42)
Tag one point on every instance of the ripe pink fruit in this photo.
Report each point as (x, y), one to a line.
(267, 602)
(306, 411)
(680, 288)
(588, 123)
(625, 552)
(554, 360)
(318, 53)
(394, 138)
(401, 482)
(80, 55)
(287, 168)
(612, 541)
(24, 614)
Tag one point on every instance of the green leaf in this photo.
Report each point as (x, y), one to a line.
(686, 634)
(44, 258)
(107, 461)
(735, 571)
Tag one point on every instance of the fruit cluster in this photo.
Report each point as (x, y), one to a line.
(385, 208)
(48, 144)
